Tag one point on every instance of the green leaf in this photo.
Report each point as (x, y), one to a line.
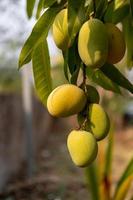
(116, 15)
(116, 76)
(108, 154)
(76, 17)
(29, 7)
(120, 14)
(39, 8)
(40, 30)
(128, 32)
(48, 3)
(92, 180)
(101, 7)
(74, 76)
(97, 76)
(41, 70)
(73, 57)
(124, 182)
(65, 67)
(124, 188)
(131, 6)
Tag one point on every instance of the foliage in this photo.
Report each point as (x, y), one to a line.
(99, 174)
(107, 76)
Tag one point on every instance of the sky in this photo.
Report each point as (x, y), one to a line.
(15, 27)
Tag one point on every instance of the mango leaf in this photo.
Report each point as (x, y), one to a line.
(73, 57)
(97, 76)
(40, 30)
(29, 7)
(128, 172)
(131, 6)
(92, 180)
(65, 67)
(41, 70)
(116, 15)
(101, 7)
(120, 13)
(76, 17)
(124, 188)
(74, 76)
(124, 182)
(128, 32)
(48, 3)
(39, 8)
(109, 152)
(116, 76)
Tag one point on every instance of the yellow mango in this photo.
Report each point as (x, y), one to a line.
(82, 147)
(60, 30)
(117, 45)
(98, 121)
(66, 100)
(93, 43)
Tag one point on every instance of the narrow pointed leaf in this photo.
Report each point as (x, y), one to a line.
(40, 30)
(100, 8)
(97, 76)
(76, 17)
(116, 76)
(39, 8)
(41, 70)
(65, 67)
(109, 152)
(29, 7)
(74, 76)
(124, 188)
(131, 6)
(125, 179)
(48, 3)
(128, 32)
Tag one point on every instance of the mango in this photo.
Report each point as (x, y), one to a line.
(117, 45)
(98, 121)
(60, 30)
(82, 147)
(93, 43)
(66, 100)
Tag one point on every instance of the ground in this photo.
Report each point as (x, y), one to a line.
(57, 178)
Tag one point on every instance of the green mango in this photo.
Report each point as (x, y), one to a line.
(93, 43)
(98, 121)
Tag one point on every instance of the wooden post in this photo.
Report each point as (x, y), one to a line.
(27, 106)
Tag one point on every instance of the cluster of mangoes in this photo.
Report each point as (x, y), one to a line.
(69, 99)
(97, 42)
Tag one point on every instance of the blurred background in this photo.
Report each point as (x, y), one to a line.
(34, 161)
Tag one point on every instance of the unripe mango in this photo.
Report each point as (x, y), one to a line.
(98, 121)
(93, 43)
(66, 100)
(82, 147)
(117, 45)
(60, 30)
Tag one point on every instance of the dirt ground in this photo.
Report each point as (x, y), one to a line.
(56, 177)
